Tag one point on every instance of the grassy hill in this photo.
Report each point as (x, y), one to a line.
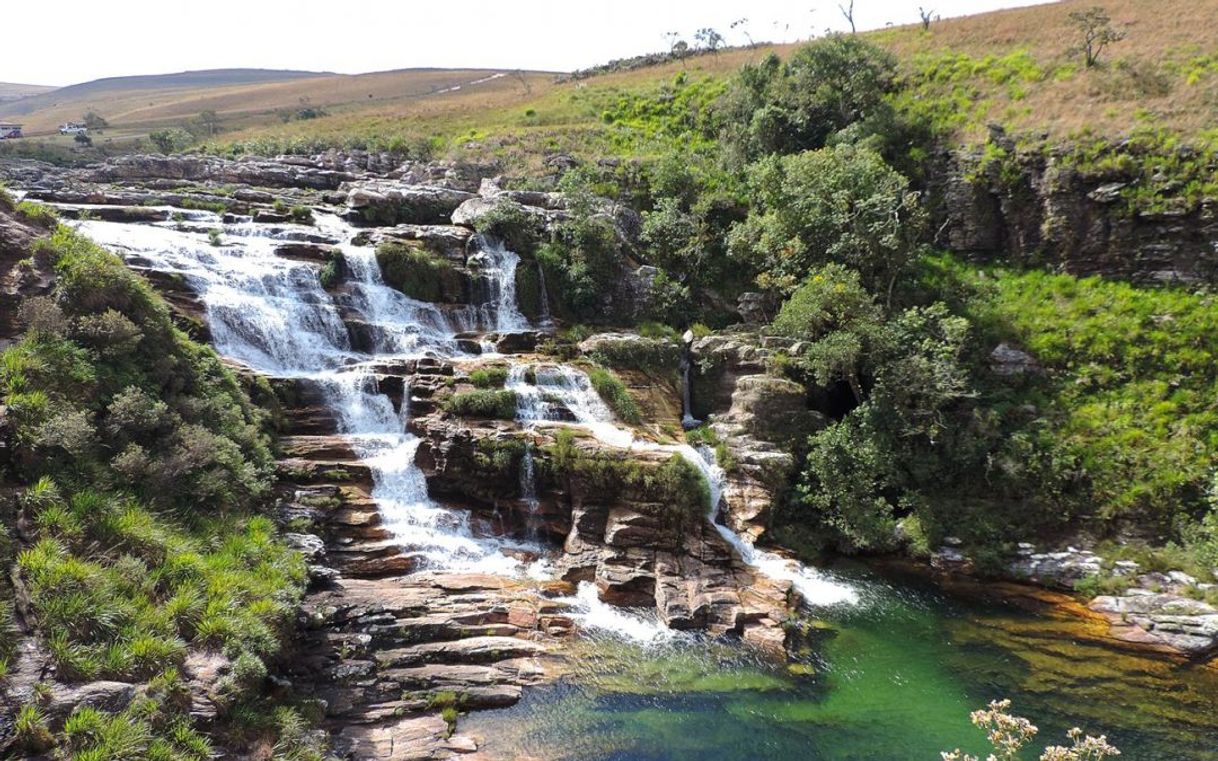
(1016, 67)
(243, 98)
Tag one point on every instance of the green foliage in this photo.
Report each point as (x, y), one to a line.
(616, 395)
(842, 204)
(489, 377)
(171, 140)
(1170, 174)
(826, 86)
(519, 230)
(419, 274)
(38, 214)
(949, 90)
(655, 356)
(483, 404)
(1130, 388)
(146, 460)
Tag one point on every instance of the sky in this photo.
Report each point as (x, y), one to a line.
(91, 40)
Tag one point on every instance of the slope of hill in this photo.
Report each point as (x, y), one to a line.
(1015, 67)
(10, 91)
(146, 106)
(102, 88)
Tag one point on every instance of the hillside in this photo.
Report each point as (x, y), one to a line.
(135, 105)
(1013, 67)
(10, 91)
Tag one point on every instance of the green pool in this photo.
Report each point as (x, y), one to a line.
(893, 678)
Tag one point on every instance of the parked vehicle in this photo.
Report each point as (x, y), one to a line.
(10, 131)
(73, 128)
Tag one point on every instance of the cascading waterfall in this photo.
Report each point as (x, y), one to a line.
(528, 493)
(273, 315)
(497, 265)
(814, 587)
(571, 389)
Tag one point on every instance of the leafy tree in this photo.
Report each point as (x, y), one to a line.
(83, 140)
(171, 140)
(94, 122)
(1097, 32)
(709, 39)
(840, 320)
(841, 204)
(777, 107)
(209, 122)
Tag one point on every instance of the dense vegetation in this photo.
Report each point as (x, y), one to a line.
(141, 541)
(803, 179)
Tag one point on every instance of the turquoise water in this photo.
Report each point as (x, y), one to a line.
(894, 678)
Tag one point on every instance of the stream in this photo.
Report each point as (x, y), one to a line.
(892, 666)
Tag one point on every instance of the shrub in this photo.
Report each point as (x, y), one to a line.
(419, 274)
(616, 395)
(483, 404)
(489, 377)
(38, 214)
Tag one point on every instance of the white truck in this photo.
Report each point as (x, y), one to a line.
(73, 128)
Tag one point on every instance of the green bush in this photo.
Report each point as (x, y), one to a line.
(489, 377)
(419, 274)
(483, 404)
(616, 395)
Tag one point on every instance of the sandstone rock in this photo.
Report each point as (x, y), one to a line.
(386, 202)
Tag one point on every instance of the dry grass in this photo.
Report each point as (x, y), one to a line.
(240, 106)
(1146, 71)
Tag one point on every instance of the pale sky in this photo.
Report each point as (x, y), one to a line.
(59, 42)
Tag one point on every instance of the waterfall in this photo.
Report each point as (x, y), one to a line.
(528, 492)
(814, 587)
(500, 312)
(593, 614)
(558, 389)
(688, 421)
(273, 315)
(543, 296)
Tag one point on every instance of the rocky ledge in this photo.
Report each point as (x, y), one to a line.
(1168, 610)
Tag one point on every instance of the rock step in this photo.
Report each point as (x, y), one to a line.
(316, 472)
(470, 650)
(318, 447)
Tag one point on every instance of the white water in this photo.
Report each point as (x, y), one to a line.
(528, 492)
(273, 315)
(497, 265)
(565, 387)
(593, 614)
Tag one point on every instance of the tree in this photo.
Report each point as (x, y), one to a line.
(827, 85)
(838, 319)
(841, 204)
(848, 12)
(523, 79)
(709, 39)
(927, 15)
(210, 122)
(171, 140)
(1097, 31)
(94, 122)
(83, 140)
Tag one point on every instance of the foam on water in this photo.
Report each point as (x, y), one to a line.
(595, 615)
